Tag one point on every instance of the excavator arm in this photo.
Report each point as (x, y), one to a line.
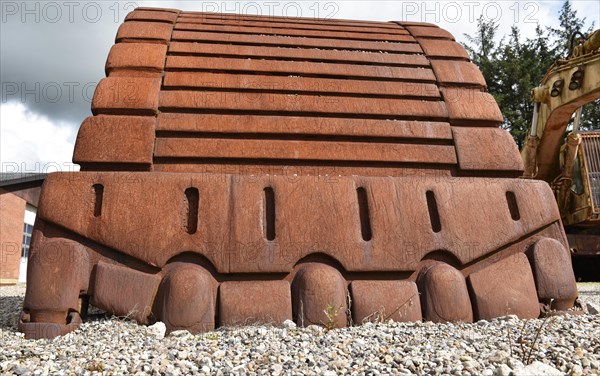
(568, 85)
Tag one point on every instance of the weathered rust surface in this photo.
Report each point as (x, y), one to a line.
(505, 288)
(319, 294)
(555, 284)
(379, 301)
(134, 296)
(242, 170)
(187, 298)
(131, 140)
(444, 294)
(254, 302)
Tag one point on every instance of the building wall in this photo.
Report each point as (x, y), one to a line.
(12, 213)
(30, 214)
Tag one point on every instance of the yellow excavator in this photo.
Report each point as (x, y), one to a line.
(570, 163)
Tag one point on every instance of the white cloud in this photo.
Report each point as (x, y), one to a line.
(32, 143)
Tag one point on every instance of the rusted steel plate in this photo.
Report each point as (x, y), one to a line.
(299, 25)
(318, 217)
(126, 95)
(461, 73)
(151, 15)
(555, 283)
(299, 67)
(303, 150)
(323, 170)
(298, 85)
(254, 302)
(274, 102)
(343, 35)
(499, 143)
(137, 56)
(303, 125)
(413, 23)
(291, 20)
(471, 106)
(444, 294)
(158, 32)
(505, 288)
(428, 32)
(316, 286)
(153, 9)
(131, 140)
(301, 54)
(379, 301)
(187, 298)
(266, 40)
(124, 291)
(443, 48)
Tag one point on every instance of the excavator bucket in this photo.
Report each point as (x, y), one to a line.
(242, 170)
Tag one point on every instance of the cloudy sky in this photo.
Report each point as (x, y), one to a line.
(53, 54)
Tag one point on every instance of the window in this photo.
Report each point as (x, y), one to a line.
(27, 230)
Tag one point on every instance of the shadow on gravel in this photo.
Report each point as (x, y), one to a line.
(10, 306)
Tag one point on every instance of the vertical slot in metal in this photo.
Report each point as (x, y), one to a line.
(269, 213)
(192, 198)
(363, 210)
(434, 214)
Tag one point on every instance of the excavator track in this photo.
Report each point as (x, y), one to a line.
(244, 169)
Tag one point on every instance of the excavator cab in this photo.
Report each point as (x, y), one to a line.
(583, 202)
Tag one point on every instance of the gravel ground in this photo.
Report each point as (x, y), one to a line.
(566, 344)
(590, 292)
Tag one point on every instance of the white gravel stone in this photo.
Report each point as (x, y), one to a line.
(537, 368)
(502, 370)
(179, 333)
(157, 330)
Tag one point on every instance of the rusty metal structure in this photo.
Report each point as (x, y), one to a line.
(570, 163)
(242, 170)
